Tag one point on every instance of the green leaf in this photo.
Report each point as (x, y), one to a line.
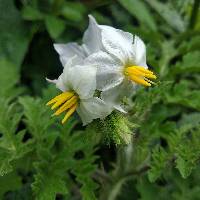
(9, 79)
(11, 145)
(11, 142)
(84, 170)
(183, 167)
(189, 64)
(169, 14)
(187, 157)
(183, 95)
(50, 176)
(55, 26)
(139, 9)
(31, 13)
(158, 163)
(37, 116)
(15, 37)
(147, 190)
(187, 151)
(73, 11)
(189, 122)
(53, 163)
(9, 182)
(189, 46)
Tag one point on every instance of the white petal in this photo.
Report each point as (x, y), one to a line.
(114, 96)
(62, 82)
(92, 37)
(109, 70)
(83, 80)
(140, 52)
(59, 83)
(109, 81)
(118, 43)
(103, 60)
(93, 108)
(66, 51)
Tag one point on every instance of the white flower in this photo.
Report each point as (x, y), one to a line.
(120, 59)
(72, 49)
(78, 84)
(90, 45)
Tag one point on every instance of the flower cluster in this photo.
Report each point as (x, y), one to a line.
(98, 74)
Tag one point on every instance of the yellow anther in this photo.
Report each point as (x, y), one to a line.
(60, 96)
(139, 80)
(149, 81)
(140, 75)
(65, 101)
(69, 113)
(66, 105)
(143, 69)
(151, 76)
(62, 99)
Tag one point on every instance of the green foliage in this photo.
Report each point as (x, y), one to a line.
(9, 182)
(55, 26)
(169, 14)
(11, 144)
(9, 80)
(56, 152)
(41, 159)
(144, 16)
(50, 147)
(158, 164)
(15, 35)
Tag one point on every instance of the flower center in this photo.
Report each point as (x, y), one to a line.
(140, 75)
(66, 101)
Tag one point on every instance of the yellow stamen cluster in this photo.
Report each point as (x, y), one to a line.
(140, 75)
(65, 101)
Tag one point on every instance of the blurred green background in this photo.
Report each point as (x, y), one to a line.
(38, 162)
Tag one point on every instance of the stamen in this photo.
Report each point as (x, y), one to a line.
(140, 75)
(66, 105)
(55, 99)
(69, 113)
(66, 100)
(139, 80)
(151, 76)
(142, 69)
(149, 81)
(62, 100)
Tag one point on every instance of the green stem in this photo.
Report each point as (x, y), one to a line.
(194, 14)
(137, 173)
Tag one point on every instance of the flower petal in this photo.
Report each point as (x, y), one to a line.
(114, 96)
(103, 60)
(62, 82)
(69, 50)
(109, 70)
(140, 52)
(59, 83)
(108, 81)
(93, 108)
(117, 43)
(83, 80)
(92, 37)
